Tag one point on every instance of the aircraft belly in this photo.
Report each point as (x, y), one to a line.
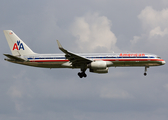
(46, 65)
(41, 64)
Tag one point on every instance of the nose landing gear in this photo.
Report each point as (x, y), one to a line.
(146, 70)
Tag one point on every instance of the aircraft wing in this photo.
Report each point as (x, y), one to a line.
(75, 59)
(14, 57)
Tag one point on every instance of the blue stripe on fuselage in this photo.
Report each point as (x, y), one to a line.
(91, 57)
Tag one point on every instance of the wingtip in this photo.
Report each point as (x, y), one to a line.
(59, 45)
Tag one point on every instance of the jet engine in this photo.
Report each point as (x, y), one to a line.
(99, 70)
(98, 67)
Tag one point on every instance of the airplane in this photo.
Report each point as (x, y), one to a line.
(95, 62)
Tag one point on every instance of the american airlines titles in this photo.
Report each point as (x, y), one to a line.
(132, 55)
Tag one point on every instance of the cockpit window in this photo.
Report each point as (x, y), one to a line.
(159, 57)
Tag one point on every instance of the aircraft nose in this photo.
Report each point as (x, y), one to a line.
(163, 62)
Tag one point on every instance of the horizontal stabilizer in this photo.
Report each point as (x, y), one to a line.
(14, 57)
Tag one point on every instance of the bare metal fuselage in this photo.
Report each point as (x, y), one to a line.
(113, 60)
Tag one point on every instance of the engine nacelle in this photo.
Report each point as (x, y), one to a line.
(99, 70)
(98, 65)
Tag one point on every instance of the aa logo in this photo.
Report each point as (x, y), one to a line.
(18, 46)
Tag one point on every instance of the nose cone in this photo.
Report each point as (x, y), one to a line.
(163, 62)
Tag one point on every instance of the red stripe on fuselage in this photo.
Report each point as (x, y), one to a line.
(49, 60)
(120, 59)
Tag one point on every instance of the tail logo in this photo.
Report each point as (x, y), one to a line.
(18, 46)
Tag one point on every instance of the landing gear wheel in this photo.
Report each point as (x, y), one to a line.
(146, 70)
(82, 74)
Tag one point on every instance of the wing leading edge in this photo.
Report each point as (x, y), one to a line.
(75, 59)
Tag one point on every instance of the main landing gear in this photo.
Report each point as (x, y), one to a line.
(146, 70)
(82, 73)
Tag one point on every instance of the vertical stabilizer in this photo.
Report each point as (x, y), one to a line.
(16, 45)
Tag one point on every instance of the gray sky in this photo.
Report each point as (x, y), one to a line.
(85, 26)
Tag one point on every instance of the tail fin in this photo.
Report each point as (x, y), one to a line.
(16, 45)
